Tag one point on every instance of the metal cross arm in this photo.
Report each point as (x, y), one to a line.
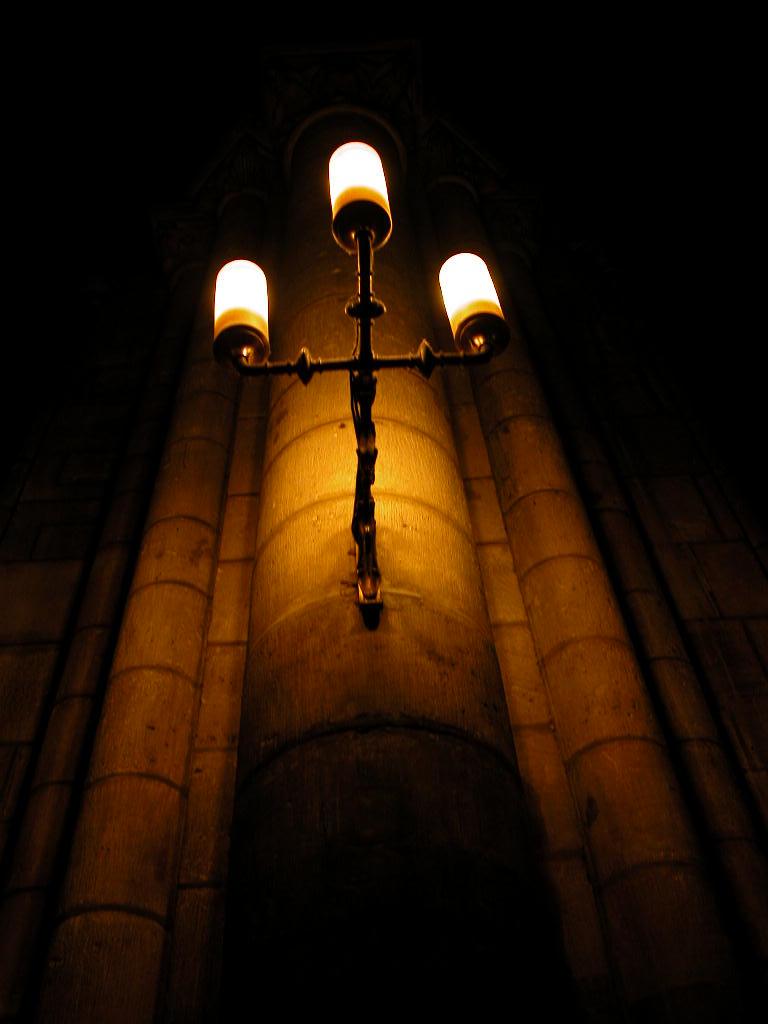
(361, 223)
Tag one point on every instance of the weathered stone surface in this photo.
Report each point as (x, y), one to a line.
(102, 939)
(231, 602)
(527, 700)
(629, 822)
(25, 677)
(25, 588)
(643, 910)
(177, 550)
(502, 591)
(737, 579)
(209, 817)
(154, 709)
(598, 694)
(196, 955)
(124, 852)
(146, 641)
(219, 716)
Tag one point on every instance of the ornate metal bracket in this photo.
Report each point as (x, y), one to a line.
(364, 308)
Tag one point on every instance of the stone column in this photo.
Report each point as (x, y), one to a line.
(378, 833)
(663, 926)
(65, 745)
(107, 953)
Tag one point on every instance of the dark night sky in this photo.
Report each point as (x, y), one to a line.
(637, 132)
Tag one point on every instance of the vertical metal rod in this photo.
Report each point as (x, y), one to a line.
(362, 384)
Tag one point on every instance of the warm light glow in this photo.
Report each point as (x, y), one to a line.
(241, 298)
(355, 172)
(467, 289)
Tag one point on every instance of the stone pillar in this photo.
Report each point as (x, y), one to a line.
(107, 953)
(65, 745)
(378, 835)
(662, 922)
(714, 789)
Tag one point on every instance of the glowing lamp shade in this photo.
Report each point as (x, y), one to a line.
(472, 304)
(359, 197)
(241, 314)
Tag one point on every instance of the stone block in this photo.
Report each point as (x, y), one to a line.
(601, 488)
(655, 624)
(580, 921)
(254, 398)
(146, 639)
(209, 817)
(627, 551)
(17, 758)
(631, 808)
(26, 675)
(737, 579)
(527, 699)
(568, 598)
(547, 792)
(65, 733)
(85, 661)
(241, 518)
(218, 721)
(507, 393)
(728, 657)
(81, 969)
(231, 602)
(310, 558)
(204, 414)
(152, 711)
(64, 541)
(206, 375)
(38, 844)
(177, 550)
(30, 517)
(548, 524)
(245, 471)
(484, 511)
(685, 706)
(196, 954)
(502, 591)
(746, 719)
(190, 482)
(125, 851)
(105, 587)
(87, 467)
(711, 774)
(719, 507)
(597, 694)
(37, 598)
(420, 665)
(124, 518)
(470, 443)
(668, 944)
(458, 385)
(683, 509)
(526, 456)
(758, 634)
(661, 445)
(686, 581)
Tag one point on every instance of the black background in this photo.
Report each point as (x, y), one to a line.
(642, 134)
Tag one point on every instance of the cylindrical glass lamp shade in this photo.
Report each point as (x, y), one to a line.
(241, 314)
(472, 304)
(359, 197)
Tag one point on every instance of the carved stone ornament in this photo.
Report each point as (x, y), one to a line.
(385, 79)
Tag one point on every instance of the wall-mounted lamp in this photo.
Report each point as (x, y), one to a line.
(361, 223)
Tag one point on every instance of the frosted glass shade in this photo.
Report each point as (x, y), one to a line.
(472, 304)
(241, 313)
(359, 198)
